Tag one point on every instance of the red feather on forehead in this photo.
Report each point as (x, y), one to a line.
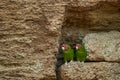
(79, 46)
(66, 47)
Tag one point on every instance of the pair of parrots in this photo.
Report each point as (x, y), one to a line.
(68, 52)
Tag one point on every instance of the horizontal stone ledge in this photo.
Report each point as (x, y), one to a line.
(90, 71)
(103, 46)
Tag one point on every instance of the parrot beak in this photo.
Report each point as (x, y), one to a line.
(76, 47)
(63, 48)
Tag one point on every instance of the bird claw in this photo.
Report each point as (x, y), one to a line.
(65, 63)
(71, 61)
(78, 61)
(82, 62)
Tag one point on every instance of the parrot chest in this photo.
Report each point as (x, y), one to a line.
(68, 54)
(81, 53)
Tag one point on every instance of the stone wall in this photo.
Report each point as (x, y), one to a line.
(96, 22)
(89, 16)
(30, 31)
(90, 71)
(28, 39)
(103, 63)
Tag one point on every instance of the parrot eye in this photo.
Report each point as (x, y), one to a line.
(62, 45)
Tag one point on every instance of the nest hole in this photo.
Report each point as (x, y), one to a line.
(80, 21)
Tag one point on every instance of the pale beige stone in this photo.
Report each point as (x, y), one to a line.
(90, 71)
(103, 46)
(30, 31)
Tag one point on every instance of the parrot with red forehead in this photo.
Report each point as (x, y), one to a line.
(68, 52)
(81, 52)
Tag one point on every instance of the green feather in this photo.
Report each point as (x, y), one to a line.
(81, 53)
(68, 54)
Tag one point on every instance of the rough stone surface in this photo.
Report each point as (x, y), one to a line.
(90, 71)
(30, 31)
(28, 39)
(103, 46)
(85, 16)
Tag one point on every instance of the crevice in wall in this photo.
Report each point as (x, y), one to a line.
(79, 21)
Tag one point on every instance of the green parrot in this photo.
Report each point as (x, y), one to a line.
(68, 52)
(81, 52)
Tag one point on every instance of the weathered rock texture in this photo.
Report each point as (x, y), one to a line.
(93, 16)
(86, 16)
(103, 46)
(30, 29)
(28, 39)
(90, 71)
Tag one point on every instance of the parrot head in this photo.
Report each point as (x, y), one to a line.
(78, 46)
(65, 47)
